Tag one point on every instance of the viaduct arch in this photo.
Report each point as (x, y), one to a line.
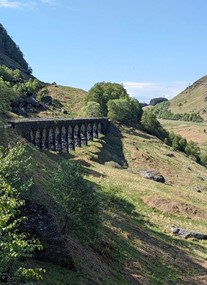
(60, 135)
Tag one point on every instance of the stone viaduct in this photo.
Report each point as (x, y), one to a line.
(60, 135)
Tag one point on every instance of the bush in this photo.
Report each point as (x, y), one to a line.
(79, 200)
(14, 245)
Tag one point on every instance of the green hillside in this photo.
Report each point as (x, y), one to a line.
(65, 101)
(10, 54)
(192, 99)
(133, 242)
(136, 245)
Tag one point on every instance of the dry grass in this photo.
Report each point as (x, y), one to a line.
(196, 132)
(193, 99)
(67, 98)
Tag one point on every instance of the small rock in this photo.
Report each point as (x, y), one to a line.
(196, 189)
(187, 234)
(201, 178)
(152, 175)
(170, 154)
(64, 111)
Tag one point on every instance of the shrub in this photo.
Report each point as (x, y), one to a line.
(14, 245)
(79, 200)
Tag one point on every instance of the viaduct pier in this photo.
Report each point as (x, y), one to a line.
(60, 135)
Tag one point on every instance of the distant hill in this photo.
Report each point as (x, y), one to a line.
(11, 55)
(192, 99)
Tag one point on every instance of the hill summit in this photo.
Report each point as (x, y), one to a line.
(10, 54)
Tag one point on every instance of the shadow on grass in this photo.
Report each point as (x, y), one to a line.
(133, 246)
(112, 147)
(130, 245)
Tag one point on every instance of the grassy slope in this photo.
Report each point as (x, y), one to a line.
(190, 130)
(136, 246)
(192, 99)
(69, 98)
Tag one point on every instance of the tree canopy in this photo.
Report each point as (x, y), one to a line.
(126, 111)
(102, 92)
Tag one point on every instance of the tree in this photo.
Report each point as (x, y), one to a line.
(126, 111)
(102, 92)
(92, 110)
(152, 125)
(192, 149)
(118, 110)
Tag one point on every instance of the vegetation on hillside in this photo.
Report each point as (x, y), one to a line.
(162, 111)
(9, 48)
(192, 100)
(115, 223)
(14, 89)
(79, 200)
(136, 244)
(15, 245)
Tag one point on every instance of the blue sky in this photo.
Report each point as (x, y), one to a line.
(154, 47)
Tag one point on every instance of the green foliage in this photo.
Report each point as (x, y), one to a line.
(152, 125)
(161, 111)
(190, 148)
(6, 95)
(118, 110)
(12, 87)
(25, 89)
(8, 74)
(126, 111)
(102, 92)
(177, 142)
(14, 245)
(79, 200)
(193, 150)
(92, 110)
(14, 162)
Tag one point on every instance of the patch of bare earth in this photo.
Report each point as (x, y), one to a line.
(174, 207)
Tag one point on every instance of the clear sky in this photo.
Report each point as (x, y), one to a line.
(154, 47)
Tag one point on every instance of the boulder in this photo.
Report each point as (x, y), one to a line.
(47, 99)
(31, 100)
(187, 234)
(152, 175)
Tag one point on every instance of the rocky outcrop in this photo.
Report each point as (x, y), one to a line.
(40, 224)
(28, 105)
(187, 234)
(152, 175)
